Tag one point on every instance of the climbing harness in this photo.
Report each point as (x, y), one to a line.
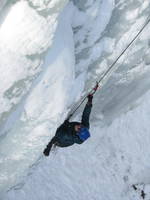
(93, 90)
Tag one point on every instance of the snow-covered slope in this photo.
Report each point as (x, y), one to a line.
(52, 54)
(105, 167)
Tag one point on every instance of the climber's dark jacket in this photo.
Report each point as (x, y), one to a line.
(66, 134)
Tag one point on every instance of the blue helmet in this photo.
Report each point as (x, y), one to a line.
(83, 134)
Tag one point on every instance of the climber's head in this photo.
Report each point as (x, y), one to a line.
(77, 127)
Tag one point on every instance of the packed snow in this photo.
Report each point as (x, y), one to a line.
(52, 54)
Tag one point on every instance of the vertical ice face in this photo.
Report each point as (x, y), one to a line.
(101, 33)
(27, 29)
(2, 4)
(82, 4)
(89, 24)
(27, 32)
(131, 79)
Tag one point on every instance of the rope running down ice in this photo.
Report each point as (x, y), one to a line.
(93, 90)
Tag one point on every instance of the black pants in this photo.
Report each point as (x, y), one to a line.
(85, 122)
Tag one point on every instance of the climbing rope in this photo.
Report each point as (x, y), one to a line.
(93, 90)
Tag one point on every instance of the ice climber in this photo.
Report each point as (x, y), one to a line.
(72, 132)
